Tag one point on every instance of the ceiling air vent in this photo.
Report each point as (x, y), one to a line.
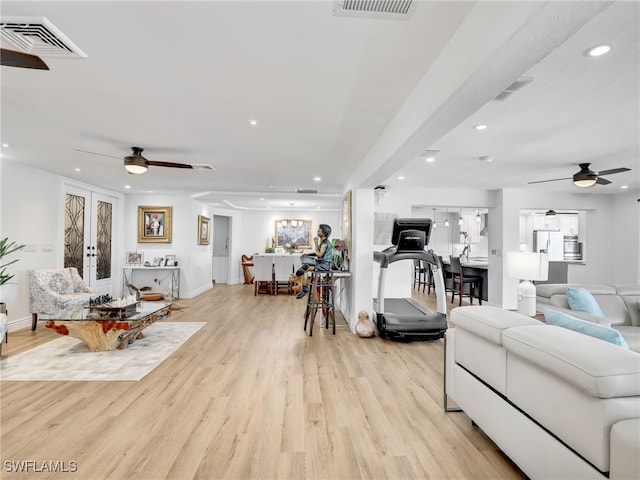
(37, 36)
(394, 9)
(306, 190)
(514, 87)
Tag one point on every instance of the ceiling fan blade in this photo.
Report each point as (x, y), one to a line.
(553, 180)
(11, 58)
(170, 164)
(613, 170)
(603, 181)
(96, 153)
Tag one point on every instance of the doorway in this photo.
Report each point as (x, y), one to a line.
(221, 239)
(88, 234)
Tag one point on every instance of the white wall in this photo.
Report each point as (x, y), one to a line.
(194, 260)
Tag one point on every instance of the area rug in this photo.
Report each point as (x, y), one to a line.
(69, 359)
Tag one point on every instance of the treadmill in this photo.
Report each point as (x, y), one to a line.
(403, 318)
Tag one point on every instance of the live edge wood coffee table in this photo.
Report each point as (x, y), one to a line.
(103, 329)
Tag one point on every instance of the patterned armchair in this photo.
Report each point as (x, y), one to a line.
(55, 289)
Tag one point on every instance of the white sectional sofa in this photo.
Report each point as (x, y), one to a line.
(559, 403)
(619, 303)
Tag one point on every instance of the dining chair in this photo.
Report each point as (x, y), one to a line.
(460, 280)
(262, 274)
(283, 268)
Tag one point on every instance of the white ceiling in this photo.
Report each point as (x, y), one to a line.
(183, 80)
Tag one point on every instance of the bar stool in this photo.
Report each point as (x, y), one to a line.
(460, 280)
(320, 297)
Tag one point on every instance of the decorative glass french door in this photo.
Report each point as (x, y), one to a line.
(88, 233)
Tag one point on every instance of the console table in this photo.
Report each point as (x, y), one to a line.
(129, 272)
(101, 330)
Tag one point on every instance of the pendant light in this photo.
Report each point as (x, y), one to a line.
(435, 223)
(478, 217)
(446, 218)
(550, 214)
(460, 219)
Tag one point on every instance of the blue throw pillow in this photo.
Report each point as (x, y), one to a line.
(608, 334)
(581, 300)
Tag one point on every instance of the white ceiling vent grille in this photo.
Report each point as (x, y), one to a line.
(394, 9)
(37, 36)
(514, 87)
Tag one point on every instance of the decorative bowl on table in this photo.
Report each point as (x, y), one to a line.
(152, 296)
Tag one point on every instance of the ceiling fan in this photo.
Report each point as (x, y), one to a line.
(137, 164)
(11, 58)
(587, 177)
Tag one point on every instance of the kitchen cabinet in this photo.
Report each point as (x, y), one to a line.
(569, 224)
(542, 222)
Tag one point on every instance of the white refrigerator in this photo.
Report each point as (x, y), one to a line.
(551, 242)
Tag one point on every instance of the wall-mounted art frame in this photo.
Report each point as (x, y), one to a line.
(204, 230)
(154, 224)
(293, 232)
(135, 258)
(346, 222)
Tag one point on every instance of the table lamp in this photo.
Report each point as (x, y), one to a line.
(527, 266)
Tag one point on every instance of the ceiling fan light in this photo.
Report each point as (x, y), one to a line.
(584, 182)
(550, 214)
(135, 164)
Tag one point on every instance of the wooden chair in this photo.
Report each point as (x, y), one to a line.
(460, 280)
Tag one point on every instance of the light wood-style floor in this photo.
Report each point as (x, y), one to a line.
(251, 395)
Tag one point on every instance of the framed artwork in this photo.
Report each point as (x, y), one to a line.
(154, 224)
(134, 258)
(293, 233)
(204, 230)
(169, 260)
(346, 222)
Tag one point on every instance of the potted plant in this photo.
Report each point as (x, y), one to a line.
(7, 248)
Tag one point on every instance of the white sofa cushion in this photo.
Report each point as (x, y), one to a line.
(605, 371)
(580, 420)
(480, 336)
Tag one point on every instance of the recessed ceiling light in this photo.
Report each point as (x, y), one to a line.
(77, 169)
(598, 50)
(316, 179)
(624, 187)
(401, 177)
(480, 127)
(253, 122)
(5, 145)
(127, 186)
(261, 199)
(430, 159)
(486, 159)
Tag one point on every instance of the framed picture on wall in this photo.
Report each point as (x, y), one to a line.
(154, 224)
(293, 233)
(204, 230)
